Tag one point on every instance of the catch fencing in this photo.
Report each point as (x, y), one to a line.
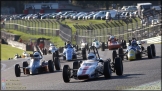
(65, 32)
(125, 29)
(34, 27)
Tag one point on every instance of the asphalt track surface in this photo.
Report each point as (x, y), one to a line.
(135, 73)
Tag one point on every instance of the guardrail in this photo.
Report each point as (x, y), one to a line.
(153, 40)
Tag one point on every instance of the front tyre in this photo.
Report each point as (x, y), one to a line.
(50, 66)
(57, 63)
(66, 73)
(17, 70)
(118, 66)
(107, 70)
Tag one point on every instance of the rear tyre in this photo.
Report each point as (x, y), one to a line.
(153, 50)
(107, 70)
(74, 56)
(120, 52)
(124, 44)
(45, 51)
(64, 58)
(84, 54)
(25, 64)
(114, 54)
(103, 46)
(17, 70)
(53, 57)
(118, 66)
(66, 73)
(76, 65)
(50, 66)
(149, 52)
(57, 63)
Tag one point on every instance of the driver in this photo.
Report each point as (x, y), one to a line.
(68, 44)
(16, 55)
(36, 55)
(95, 40)
(135, 45)
(91, 56)
(51, 44)
(112, 38)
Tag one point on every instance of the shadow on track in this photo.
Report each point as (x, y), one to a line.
(124, 76)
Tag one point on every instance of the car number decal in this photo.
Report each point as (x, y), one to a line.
(85, 69)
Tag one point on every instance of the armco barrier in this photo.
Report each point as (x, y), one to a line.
(19, 45)
(152, 40)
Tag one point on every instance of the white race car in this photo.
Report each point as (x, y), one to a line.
(37, 65)
(83, 45)
(93, 67)
(97, 44)
(52, 49)
(25, 54)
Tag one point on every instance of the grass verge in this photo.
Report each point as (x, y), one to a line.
(7, 53)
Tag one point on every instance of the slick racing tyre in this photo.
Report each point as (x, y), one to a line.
(45, 51)
(76, 65)
(149, 52)
(118, 66)
(103, 46)
(57, 63)
(120, 52)
(53, 57)
(50, 66)
(107, 70)
(153, 50)
(17, 70)
(66, 73)
(25, 64)
(74, 56)
(64, 58)
(84, 54)
(114, 54)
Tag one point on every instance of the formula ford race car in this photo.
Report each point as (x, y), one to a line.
(84, 45)
(93, 67)
(96, 43)
(52, 49)
(25, 54)
(70, 53)
(37, 65)
(135, 51)
(114, 44)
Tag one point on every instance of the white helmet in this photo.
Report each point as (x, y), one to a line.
(36, 55)
(92, 56)
(51, 44)
(112, 37)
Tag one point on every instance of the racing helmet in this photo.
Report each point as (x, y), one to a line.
(112, 37)
(92, 56)
(68, 42)
(95, 39)
(36, 55)
(16, 54)
(134, 43)
(51, 44)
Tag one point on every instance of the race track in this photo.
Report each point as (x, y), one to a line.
(135, 73)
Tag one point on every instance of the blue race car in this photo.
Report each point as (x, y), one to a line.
(69, 52)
